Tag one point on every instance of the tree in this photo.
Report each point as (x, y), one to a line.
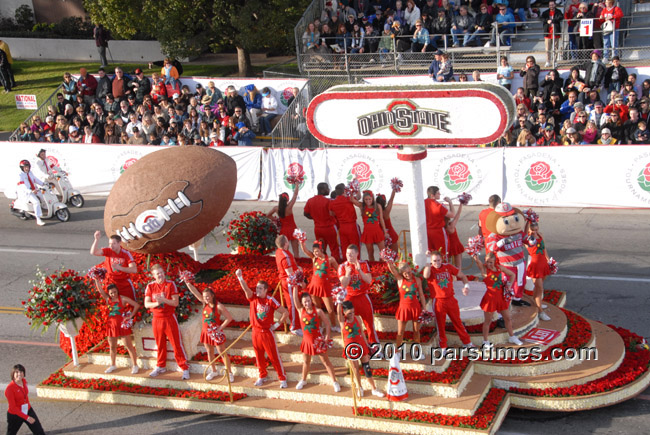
(186, 27)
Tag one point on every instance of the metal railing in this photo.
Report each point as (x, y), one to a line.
(41, 112)
(291, 131)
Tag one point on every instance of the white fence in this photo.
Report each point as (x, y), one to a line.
(581, 176)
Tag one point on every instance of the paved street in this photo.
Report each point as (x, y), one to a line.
(603, 267)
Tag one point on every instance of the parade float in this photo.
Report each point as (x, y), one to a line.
(569, 363)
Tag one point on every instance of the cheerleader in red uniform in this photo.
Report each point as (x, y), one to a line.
(212, 312)
(284, 210)
(455, 248)
(374, 230)
(497, 297)
(411, 300)
(394, 237)
(311, 318)
(118, 314)
(356, 346)
(320, 286)
(538, 268)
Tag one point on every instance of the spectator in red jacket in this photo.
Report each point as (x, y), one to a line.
(86, 86)
(619, 107)
(20, 410)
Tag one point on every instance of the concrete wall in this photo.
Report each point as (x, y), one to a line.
(82, 50)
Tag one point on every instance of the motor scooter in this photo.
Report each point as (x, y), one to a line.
(50, 205)
(65, 190)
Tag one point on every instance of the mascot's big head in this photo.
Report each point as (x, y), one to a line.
(505, 220)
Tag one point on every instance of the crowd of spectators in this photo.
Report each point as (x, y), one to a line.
(606, 105)
(418, 26)
(160, 110)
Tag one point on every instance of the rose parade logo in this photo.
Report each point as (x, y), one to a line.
(540, 177)
(363, 173)
(458, 177)
(644, 178)
(637, 177)
(286, 95)
(127, 164)
(294, 171)
(124, 161)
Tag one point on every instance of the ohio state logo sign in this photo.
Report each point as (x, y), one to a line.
(449, 114)
(404, 118)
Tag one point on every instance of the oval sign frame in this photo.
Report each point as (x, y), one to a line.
(489, 92)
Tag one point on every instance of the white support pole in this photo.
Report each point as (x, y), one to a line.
(413, 156)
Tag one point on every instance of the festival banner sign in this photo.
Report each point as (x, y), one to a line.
(26, 102)
(279, 164)
(477, 171)
(580, 176)
(360, 115)
(93, 169)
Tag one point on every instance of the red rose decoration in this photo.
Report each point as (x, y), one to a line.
(362, 171)
(128, 163)
(458, 172)
(540, 172)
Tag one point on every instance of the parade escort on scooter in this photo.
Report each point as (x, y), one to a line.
(36, 198)
(57, 176)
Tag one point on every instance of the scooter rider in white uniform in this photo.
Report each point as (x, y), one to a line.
(43, 168)
(27, 189)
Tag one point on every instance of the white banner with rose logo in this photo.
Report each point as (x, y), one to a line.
(584, 176)
(477, 171)
(93, 169)
(279, 163)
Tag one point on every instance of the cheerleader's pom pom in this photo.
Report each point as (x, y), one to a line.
(97, 272)
(552, 264)
(426, 318)
(396, 184)
(388, 254)
(297, 278)
(186, 275)
(531, 216)
(216, 334)
(338, 295)
(300, 235)
(295, 179)
(353, 188)
(323, 345)
(474, 245)
(127, 323)
(464, 198)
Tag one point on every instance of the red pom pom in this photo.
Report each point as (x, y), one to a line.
(396, 184)
(186, 275)
(216, 334)
(97, 272)
(531, 216)
(388, 254)
(297, 278)
(426, 318)
(474, 245)
(322, 345)
(295, 179)
(464, 198)
(300, 235)
(552, 264)
(338, 294)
